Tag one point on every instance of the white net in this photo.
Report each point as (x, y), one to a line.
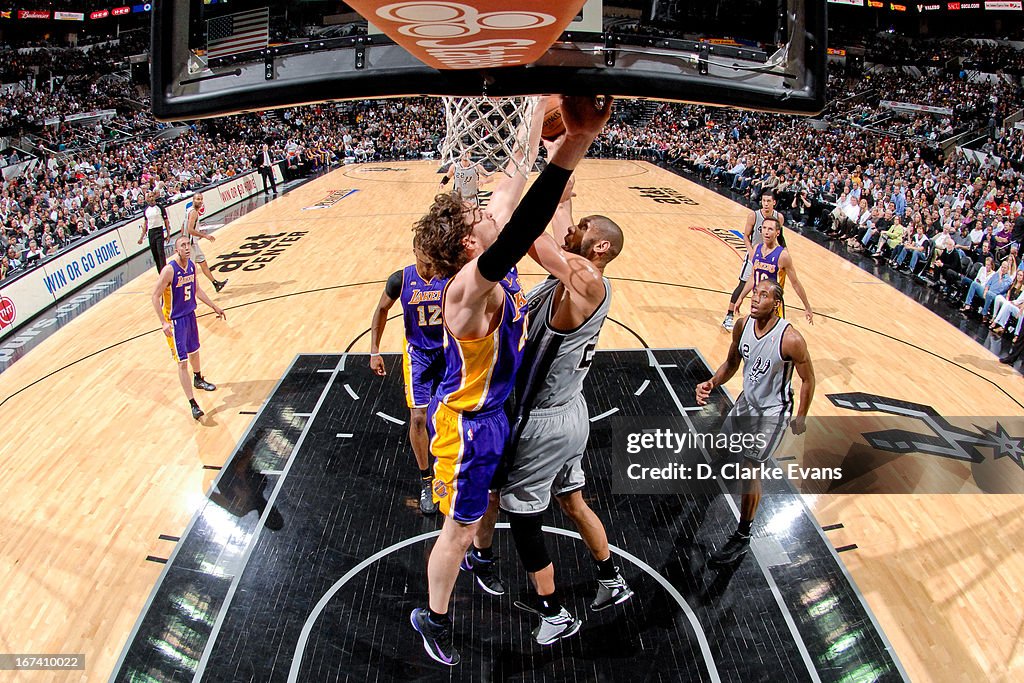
(493, 128)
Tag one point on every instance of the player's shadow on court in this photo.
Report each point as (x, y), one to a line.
(839, 368)
(687, 568)
(232, 395)
(229, 297)
(241, 488)
(987, 363)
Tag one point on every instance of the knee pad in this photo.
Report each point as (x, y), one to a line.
(529, 540)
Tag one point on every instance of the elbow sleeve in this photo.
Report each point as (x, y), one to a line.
(526, 224)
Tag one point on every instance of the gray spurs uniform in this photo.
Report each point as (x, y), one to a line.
(552, 424)
(755, 239)
(766, 403)
(197, 251)
(467, 182)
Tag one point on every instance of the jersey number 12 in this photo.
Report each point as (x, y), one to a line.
(433, 311)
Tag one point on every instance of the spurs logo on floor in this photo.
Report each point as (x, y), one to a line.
(733, 238)
(330, 200)
(944, 440)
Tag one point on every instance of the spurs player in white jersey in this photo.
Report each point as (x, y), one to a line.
(468, 176)
(194, 233)
(551, 421)
(751, 238)
(770, 349)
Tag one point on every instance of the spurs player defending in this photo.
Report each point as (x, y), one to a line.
(484, 313)
(770, 349)
(551, 421)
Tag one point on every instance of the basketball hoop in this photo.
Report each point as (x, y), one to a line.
(492, 128)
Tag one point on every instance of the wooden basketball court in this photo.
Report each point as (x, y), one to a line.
(103, 456)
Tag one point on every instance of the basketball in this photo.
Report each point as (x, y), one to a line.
(553, 125)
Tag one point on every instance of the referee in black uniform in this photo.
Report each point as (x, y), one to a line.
(158, 235)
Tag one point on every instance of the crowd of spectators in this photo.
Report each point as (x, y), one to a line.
(885, 190)
(976, 54)
(933, 216)
(58, 203)
(875, 179)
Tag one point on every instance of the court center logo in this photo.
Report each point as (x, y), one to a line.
(8, 312)
(665, 195)
(943, 439)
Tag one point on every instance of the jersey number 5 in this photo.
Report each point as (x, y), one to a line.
(433, 311)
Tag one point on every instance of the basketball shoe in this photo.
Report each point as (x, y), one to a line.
(427, 504)
(611, 592)
(554, 628)
(217, 286)
(483, 571)
(733, 550)
(199, 383)
(437, 638)
(729, 322)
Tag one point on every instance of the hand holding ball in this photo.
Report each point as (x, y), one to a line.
(552, 126)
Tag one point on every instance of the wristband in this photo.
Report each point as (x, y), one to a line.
(444, 181)
(374, 354)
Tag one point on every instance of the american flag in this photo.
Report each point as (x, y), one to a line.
(237, 33)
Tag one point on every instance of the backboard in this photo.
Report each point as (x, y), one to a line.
(213, 57)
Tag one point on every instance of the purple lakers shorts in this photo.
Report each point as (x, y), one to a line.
(422, 371)
(184, 337)
(468, 448)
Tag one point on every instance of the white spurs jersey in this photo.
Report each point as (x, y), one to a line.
(555, 363)
(467, 180)
(767, 376)
(755, 237)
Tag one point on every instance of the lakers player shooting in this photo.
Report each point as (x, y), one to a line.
(422, 356)
(770, 349)
(484, 315)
